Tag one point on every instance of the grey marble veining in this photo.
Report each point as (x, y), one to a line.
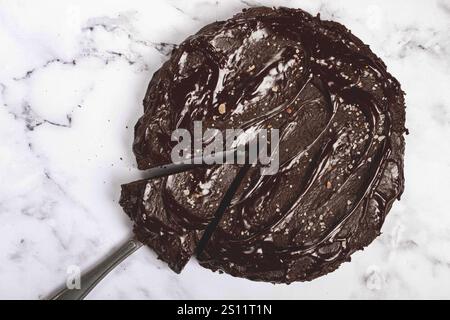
(72, 78)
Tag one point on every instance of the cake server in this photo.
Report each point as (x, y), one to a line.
(91, 278)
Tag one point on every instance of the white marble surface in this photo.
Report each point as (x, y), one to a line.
(72, 78)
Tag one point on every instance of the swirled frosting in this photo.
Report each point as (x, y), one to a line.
(341, 121)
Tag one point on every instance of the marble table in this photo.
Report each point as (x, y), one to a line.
(72, 78)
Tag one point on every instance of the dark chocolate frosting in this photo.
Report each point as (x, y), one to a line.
(341, 118)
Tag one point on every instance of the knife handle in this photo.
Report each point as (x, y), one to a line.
(91, 278)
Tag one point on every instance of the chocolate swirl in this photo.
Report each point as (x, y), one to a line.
(341, 121)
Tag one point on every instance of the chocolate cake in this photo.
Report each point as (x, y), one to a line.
(341, 118)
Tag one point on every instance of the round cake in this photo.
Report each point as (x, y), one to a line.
(341, 121)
